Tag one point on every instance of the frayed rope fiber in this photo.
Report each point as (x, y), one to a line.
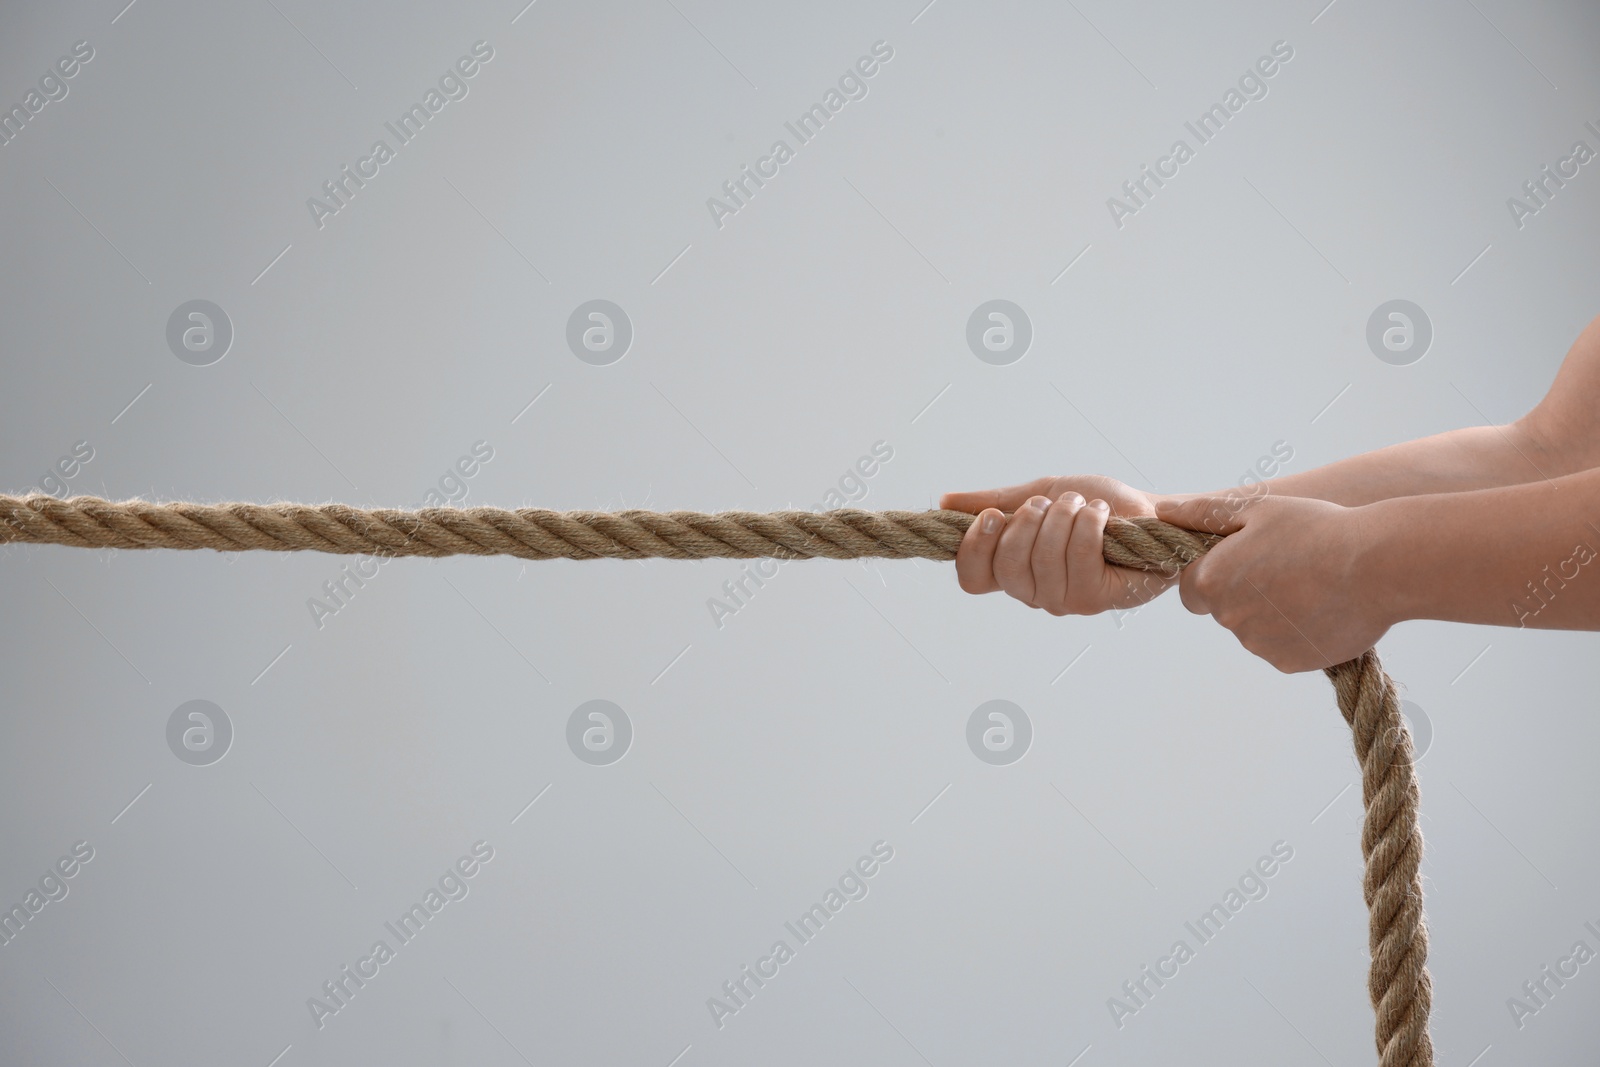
(1391, 839)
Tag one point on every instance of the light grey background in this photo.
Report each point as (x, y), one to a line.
(769, 354)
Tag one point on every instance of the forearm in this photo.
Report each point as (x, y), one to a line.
(1518, 555)
(1471, 458)
(1560, 436)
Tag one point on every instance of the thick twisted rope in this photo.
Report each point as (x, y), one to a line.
(1391, 839)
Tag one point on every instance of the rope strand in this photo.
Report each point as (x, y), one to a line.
(1391, 841)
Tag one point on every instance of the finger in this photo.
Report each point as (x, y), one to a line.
(1049, 560)
(1190, 589)
(1086, 561)
(1223, 514)
(975, 557)
(1008, 499)
(1013, 559)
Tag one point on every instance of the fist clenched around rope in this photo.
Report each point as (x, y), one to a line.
(1286, 581)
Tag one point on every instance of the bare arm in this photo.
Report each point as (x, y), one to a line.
(1487, 524)
(1519, 555)
(1560, 436)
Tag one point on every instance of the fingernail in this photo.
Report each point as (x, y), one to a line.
(1073, 499)
(1039, 503)
(991, 522)
(1099, 505)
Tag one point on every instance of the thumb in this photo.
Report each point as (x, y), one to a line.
(1218, 514)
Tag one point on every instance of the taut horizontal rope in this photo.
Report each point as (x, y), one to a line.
(537, 533)
(1391, 841)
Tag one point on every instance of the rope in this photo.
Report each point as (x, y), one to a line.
(1391, 840)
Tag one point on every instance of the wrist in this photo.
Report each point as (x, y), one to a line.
(1386, 569)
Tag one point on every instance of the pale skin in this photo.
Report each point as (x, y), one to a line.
(1485, 524)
